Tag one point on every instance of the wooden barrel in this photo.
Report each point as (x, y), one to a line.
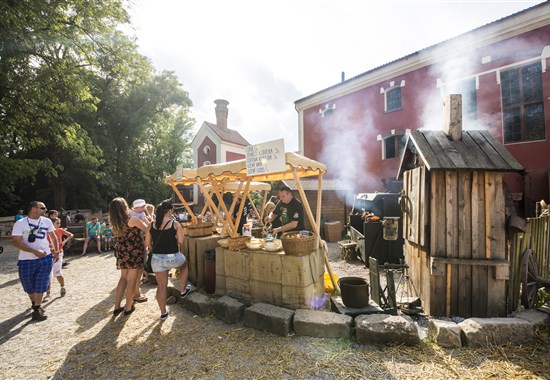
(199, 229)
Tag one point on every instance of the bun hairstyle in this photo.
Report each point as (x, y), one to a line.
(162, 209)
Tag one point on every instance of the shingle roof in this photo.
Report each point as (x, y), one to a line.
(477, 150)
(228, 135)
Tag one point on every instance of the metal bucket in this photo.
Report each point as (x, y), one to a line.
(355, 292)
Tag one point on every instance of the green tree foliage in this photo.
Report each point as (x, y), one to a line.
(83, 116)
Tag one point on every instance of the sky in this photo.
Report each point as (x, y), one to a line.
(261, 56)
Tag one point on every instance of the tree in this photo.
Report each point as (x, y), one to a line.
(83, 116)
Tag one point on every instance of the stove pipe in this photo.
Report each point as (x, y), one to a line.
(452, 117)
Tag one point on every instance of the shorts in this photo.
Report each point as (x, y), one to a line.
(164, 262)
(35, 274)
(93, 237)
(56, 267)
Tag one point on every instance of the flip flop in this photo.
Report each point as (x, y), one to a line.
(140, 299)
(118, 311)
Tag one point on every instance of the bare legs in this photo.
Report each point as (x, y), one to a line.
(183, 276)
(162, 290)
(126, 285)
(97, 242)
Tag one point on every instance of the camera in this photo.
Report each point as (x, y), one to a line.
(32, 238)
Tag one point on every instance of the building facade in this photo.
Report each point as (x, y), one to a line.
(358, 127)
(216, 143)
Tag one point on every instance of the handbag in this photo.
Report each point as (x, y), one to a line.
(148, 268)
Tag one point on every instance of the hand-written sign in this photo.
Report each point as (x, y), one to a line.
(264, 158)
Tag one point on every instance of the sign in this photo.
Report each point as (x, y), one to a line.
(265, 158)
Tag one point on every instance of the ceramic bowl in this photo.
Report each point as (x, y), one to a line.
(273, 246)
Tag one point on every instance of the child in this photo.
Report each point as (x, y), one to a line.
(107, 236)
(56, 269)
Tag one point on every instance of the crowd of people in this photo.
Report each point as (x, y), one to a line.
(144, 240)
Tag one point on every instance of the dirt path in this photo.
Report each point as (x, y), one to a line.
(81, 339)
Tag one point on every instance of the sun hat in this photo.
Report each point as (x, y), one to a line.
(139, 203)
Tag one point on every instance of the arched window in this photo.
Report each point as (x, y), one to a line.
(206, 149)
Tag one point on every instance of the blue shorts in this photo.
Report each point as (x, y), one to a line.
(93, 237)
(164, 262)
(35, 274)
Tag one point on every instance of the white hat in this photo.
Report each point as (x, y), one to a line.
(138, 203)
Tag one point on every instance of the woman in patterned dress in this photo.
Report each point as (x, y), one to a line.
(129, 251)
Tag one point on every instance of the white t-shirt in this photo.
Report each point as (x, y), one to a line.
(40, 228)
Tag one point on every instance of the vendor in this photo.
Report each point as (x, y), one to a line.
(288, 215)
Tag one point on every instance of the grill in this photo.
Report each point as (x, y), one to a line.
(381, 239)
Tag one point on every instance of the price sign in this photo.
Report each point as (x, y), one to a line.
(265, 158)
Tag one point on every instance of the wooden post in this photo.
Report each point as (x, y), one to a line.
(314, 225)
(452, 117)
(207, 198)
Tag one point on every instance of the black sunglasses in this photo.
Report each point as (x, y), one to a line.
(42, 208)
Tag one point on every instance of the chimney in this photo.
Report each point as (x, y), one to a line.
(452, 117)
(221, 112)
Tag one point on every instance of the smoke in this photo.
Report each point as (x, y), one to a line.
(344, 138)
(454, 75)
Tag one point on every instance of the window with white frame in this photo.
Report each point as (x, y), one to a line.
(393, 144)
(522, 104)
(206, 149)
(392, 96)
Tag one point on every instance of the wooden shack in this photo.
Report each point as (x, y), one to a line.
(454, 217)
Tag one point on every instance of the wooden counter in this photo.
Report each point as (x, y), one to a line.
(194, 248)
(272, 277)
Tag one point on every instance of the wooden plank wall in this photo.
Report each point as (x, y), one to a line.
(466, 222)
(333, 206)
(536, 237)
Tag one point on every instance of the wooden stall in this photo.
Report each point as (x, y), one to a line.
(257, 275)
(454, 217)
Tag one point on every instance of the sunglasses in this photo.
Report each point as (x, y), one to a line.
(42, 208)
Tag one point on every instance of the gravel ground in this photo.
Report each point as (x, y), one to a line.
(81, 339)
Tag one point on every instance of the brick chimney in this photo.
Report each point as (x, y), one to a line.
(221, 112)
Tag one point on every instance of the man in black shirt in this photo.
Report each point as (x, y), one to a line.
(288, 214)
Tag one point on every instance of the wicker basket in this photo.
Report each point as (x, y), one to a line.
(238, 243)
(301, 246)
(198, 229)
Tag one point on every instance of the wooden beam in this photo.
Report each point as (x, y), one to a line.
(177, 192)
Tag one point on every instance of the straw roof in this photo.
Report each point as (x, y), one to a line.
(236, 171)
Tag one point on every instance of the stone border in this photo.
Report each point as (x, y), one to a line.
(370, 328)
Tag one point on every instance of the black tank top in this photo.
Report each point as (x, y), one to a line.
(168, 242)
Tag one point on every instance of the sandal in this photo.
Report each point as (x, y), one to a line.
(117, 311)
(128, 312)
(140, 299)
(145, 280)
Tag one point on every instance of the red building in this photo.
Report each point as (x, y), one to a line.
(357, 127)
(216, 143)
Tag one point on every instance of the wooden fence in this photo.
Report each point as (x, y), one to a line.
(536, 237)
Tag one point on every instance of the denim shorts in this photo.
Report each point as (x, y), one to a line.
(163, 262)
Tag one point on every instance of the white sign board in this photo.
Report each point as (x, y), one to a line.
(264, 158)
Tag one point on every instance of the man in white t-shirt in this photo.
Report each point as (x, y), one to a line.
(35, 259)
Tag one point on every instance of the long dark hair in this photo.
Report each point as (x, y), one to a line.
(119, 214)
(162, 209)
